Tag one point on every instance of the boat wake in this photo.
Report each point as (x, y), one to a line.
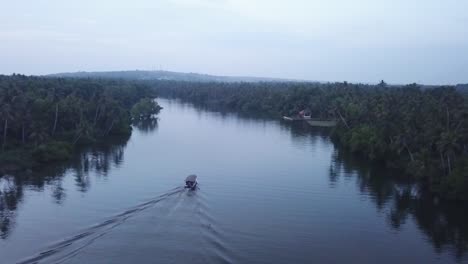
(172, 227)
(65, 249)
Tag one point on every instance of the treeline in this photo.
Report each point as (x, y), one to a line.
(423, 132)
(41, 119)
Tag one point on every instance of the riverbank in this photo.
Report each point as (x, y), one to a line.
(291, 179)
(29, 158)
(421, 131)
(42, 120)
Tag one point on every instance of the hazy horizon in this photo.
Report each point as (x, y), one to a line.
(364, 41)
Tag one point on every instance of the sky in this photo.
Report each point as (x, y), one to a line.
(399, 41)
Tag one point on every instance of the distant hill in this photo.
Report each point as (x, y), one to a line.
(166, 75)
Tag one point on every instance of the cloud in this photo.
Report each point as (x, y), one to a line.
(356, 40)
(37, 34)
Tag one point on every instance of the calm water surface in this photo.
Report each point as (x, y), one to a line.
(269, 192)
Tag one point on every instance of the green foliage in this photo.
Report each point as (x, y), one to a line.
(15, 160)
(455, 185)
(52, 151)
(365, 139)
(35, 112)
(421, 130)
(145, 109)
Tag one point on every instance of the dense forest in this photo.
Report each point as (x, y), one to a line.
(421, 131)
(42, 119)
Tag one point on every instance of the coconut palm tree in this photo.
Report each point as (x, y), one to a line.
(6, 115)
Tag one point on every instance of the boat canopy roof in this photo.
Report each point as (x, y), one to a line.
(191, 178)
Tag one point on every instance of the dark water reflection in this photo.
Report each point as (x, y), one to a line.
(97, 159)
(408, 211)
(445, 224)
(11, 193)
(147, 126)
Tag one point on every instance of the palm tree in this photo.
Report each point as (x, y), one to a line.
(39, 134)
(55, 100)
(22, 113)
(5, 113)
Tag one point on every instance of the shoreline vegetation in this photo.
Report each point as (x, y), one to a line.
(44, 119)
(420, 131)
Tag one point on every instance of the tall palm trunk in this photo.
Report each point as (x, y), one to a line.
(448, 118)
(342, 119)
(81, 116)
(23, 138)
(55, 121)
(449, 164)
(5, 128)
(443, 162)
(409, 152)
(110, 128)
(96, 116)
(78, 136)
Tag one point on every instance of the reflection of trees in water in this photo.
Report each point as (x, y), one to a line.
(147, 125)
(303, 134)
(97, 159)
(443, 223)
(11, 192)
(58, 192)
(372, 179)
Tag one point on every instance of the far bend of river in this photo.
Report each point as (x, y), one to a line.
(269, 192)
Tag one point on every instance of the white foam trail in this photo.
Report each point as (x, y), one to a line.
(63, 250)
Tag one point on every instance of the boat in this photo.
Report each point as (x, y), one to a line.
(296, 118)
(301, 116)
(191, 182)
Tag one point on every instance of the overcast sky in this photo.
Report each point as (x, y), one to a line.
(400, 41)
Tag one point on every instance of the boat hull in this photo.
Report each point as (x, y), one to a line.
(191, 185)
(296, 118)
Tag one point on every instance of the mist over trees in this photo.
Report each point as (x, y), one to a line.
(162, 75)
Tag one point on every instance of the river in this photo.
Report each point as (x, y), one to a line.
(269, 192)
